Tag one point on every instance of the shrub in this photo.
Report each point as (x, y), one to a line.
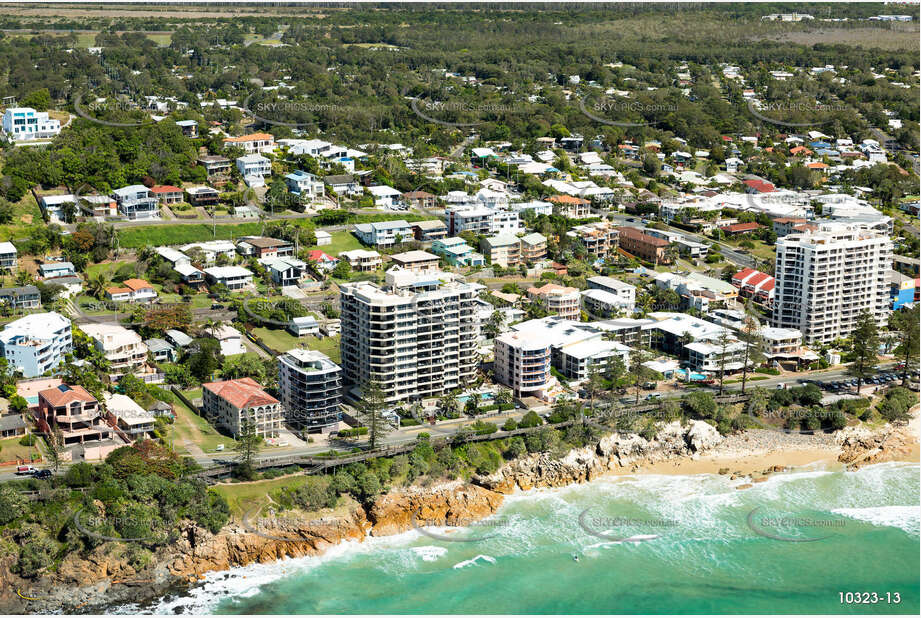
(28, 440)
(481, 428)
(531, 419)
(509, 425)
(353, 432)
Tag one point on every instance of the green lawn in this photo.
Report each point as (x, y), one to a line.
(94, 270)
(282, 340)
(192, 427)
(242, 497)
(341, 241)
(11, 449)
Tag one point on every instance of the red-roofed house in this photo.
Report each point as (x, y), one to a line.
(758, 186)
(785, 225)
(741, 228)
(755, 284)
(569, 206)
(167, 194)
(323, 260)
(254, 143)
(132, 290)
(232, 402)
(800, 150)
(75, 412)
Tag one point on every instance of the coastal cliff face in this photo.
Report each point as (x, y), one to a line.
(861, 446)
(106, 576)
(612, 452)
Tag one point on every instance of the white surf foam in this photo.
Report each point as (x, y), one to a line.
(430, 553)
(905, 517)
(473, 561)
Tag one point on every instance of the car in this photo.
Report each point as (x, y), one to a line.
(43, 474)
(653, 396)
(217, 306)
(781, 386)
(25, 470)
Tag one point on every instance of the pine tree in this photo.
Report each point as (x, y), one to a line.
(864, 346)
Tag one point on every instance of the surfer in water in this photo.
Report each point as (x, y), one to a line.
(575, 557)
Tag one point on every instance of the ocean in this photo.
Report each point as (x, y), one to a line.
(812, 541)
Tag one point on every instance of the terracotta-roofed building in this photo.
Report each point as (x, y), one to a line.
(232, 402)
(800, 151)
(167, 194)
(785, 225)
(563, 301)
(132, 290)
(419, 199)
(758, 186)
(817, 165)
(754, 284)
(741, 228)
(642, 245)
(569, 206)
(74, 411)
(254, 143)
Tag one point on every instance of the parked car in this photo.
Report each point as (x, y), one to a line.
(25, 470)
(43, 474)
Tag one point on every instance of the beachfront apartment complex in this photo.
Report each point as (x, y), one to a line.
(415, 336)
(231, 403)
(37, 343)
(311, 388)
(827, 277)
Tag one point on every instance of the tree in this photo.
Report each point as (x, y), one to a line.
(615, 370)
(248, 441)
(448, 406)
(639, 372)
(594, 385)
(372, 413)
(724, 343)
(98, 285)
(54, 440)
(864, 346)
(754, 344)
(342, 269)
(905, 323)
(494, 324)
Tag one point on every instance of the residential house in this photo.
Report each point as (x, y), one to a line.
(429, 230)
(73, 411)
(324, 262)
(362, 260)
(305, 185)
(216, 167)
(24, 297)
(133, 421)
(344, 185)
(502, 250)
(132, 290)
(383, 233)
(625, 293)
(161, 350)
(255, 143)
(9, 256)
(737, 229)
(419, 261)
(420, 199)
(457, 252)
(123, 348)
(230, 339)
(211, 249)
(323, 238)
(24, 123)
(234, 277)
(136, 202)
(51, 270)
(305, 325)
(261, 247)
(533, 247)
(569, 206)
(385, 197)
(231, 403)
(189, 128)
(203, 196)
(254, 166)
(285, 271)
(167, 194)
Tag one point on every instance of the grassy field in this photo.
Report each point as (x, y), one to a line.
(26, 212)
(11, 449)
(242, 497)
(192, 427)
(163, 235)
(341, 241)
(283, 341)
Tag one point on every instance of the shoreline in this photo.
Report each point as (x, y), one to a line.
(748, 458)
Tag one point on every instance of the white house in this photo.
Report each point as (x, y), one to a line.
(304, 184)
(254, 166)
(234, 277)
(24, 123)
(384, 196)
(230, 339)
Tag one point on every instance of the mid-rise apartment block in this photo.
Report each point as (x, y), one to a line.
(561, 300)
(123, 348)
(643, 245)
(231, 403)
(826, 278)
(416, 336)
(311, 388)
(599, 239)
(36, 343)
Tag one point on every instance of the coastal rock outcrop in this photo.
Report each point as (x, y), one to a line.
(613, 451)
(861, 446)
(453, 503)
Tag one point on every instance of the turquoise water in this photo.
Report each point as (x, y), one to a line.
(483, 396)
(682, 373)
(694, 549)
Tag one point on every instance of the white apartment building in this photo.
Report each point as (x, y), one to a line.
(481, 220)
(625, 293)
(523, 364)
(36, 343)
(416, 336)
(827, 277)
(24, 123)
(311, 388)
(123, 348)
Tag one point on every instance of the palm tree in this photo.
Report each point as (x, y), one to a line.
(98, 285)
(211, 325)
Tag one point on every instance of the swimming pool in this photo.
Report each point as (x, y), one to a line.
(682, 374)
(483, 397)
